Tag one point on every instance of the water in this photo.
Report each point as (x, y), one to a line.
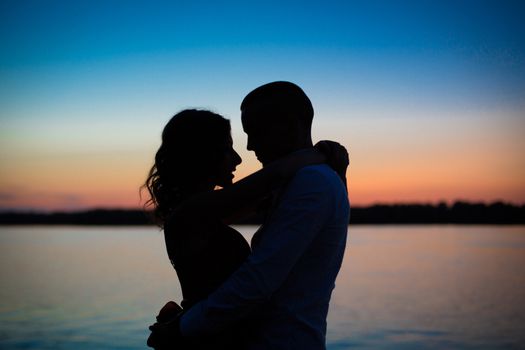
(400, 287)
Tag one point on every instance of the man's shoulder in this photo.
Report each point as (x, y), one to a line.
(318, 173)
(316, 169)
(319, 178)
(323, 183)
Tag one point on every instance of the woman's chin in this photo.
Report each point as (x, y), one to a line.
(225, 184)
(226, 181)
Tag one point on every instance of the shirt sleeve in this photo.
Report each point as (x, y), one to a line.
(301, 214)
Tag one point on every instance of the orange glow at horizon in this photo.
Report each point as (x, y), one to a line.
(391, 161)
(110, 182)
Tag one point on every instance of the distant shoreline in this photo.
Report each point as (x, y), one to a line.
(457, 213)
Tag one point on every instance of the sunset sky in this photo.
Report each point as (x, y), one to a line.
(428, 96)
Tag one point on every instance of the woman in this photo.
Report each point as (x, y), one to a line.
(196, 156)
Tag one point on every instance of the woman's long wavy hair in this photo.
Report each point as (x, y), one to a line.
(193, 146)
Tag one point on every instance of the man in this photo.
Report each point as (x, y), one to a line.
(297, 253)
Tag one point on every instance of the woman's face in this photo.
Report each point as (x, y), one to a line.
(226, 168)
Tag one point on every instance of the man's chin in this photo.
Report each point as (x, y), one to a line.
(266, 161)
(263, 161)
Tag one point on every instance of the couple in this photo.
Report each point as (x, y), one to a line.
(274, 295)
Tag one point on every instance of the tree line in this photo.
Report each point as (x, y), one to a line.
(442, 213)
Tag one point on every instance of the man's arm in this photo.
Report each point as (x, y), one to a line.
(301, 214)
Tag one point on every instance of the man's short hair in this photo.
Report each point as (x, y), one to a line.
(280, 99)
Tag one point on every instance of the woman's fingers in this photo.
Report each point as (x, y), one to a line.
(169, 311)
(335, 153)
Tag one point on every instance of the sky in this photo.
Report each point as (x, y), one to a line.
(427, 96)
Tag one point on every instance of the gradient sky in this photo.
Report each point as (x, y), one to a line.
(428, 96)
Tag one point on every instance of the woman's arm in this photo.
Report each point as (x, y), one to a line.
(224, 203)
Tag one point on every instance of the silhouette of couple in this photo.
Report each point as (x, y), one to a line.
(274, 295)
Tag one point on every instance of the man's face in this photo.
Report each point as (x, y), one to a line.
(266, 137)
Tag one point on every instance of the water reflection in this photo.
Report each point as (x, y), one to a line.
(401, 287)
(431, 287)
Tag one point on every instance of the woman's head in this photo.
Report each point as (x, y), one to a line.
(196, 154)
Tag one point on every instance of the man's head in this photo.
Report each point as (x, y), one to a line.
(277, 117)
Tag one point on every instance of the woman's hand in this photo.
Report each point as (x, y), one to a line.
(165, 333)
(336, 156)
(169, 312)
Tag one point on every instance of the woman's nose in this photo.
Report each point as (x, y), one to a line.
(238, 159)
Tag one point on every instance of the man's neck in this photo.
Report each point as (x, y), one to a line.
(300, 141)
(296, 148)
(302, 145)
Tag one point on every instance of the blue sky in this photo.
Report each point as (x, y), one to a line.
(469, 51)
(91, 77)
(446, 52)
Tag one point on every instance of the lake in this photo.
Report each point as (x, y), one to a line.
(400, 287)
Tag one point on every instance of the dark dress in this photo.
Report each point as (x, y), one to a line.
(204, 254)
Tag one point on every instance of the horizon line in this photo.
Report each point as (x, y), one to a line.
(448, 204)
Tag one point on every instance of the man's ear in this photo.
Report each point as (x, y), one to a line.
(286, 123)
